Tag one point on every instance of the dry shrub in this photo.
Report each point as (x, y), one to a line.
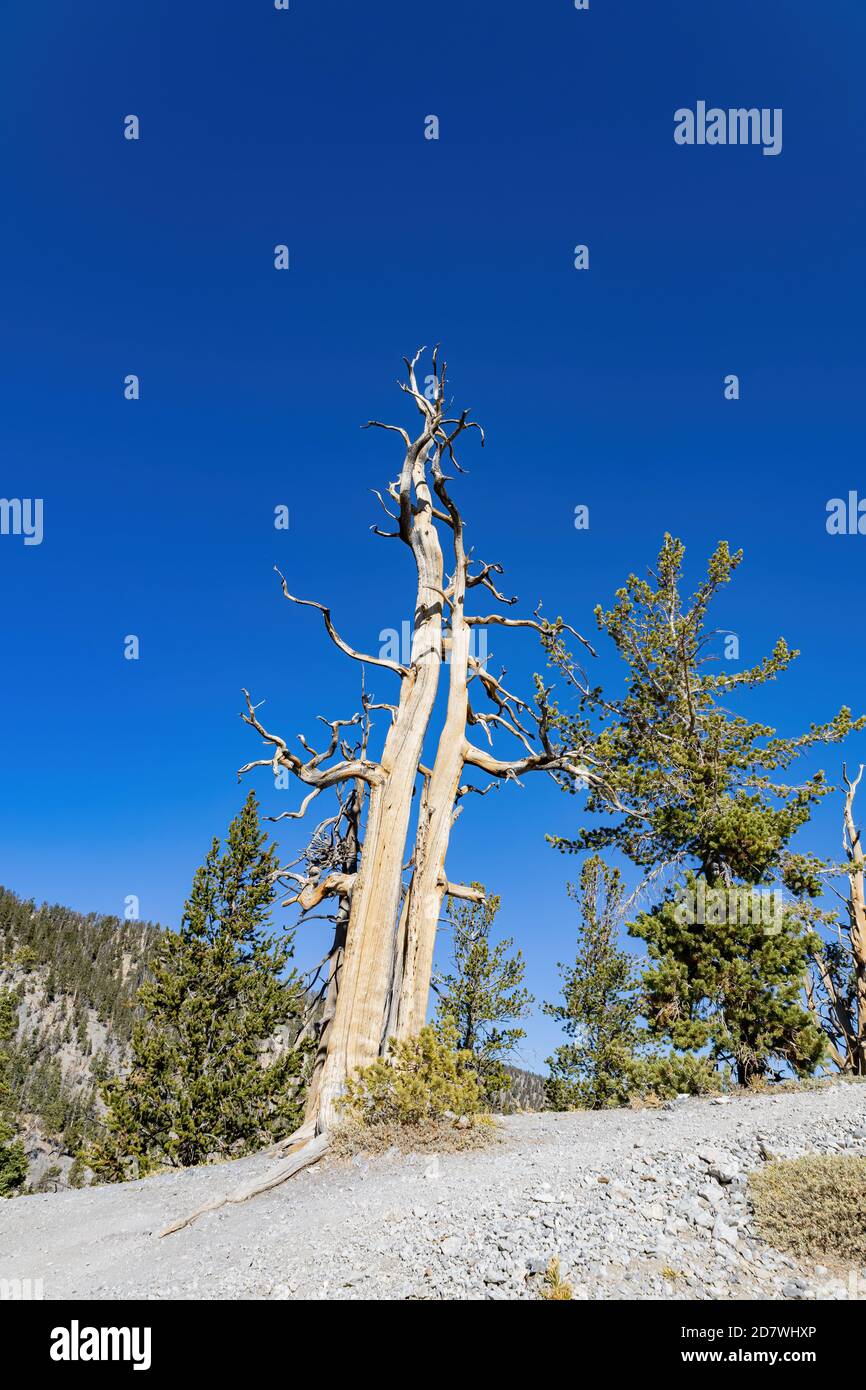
(813, 1206)
(649, 1101)
(424, 1097)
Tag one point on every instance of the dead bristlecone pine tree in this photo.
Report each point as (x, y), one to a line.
(387, 892)
(836, 992)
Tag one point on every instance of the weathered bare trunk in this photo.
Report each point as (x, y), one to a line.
(394, 995)
(368, 966)
(330, 1006)
(838, 1010)
(380, 979)
(436, 817)
(857, 927)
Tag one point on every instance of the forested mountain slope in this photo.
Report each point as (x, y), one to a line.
(73, 979)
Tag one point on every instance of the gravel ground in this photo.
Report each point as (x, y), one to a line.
(648, 1204)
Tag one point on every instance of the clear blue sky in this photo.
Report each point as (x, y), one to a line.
(261, 127)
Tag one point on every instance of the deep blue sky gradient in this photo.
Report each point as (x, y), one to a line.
(604, 388)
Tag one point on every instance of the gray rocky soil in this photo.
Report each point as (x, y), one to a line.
(635, 1204)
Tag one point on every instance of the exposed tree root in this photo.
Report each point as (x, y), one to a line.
(302, 1153)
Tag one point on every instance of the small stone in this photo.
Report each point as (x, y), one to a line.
(696, 1212)
(724, 1173)
(729, 1235)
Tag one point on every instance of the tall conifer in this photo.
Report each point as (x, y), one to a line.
(206, 1079)
(713, 816)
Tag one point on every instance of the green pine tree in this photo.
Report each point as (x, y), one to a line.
(199, 1085)
(704, 782)
(13, 1160)
(730, 985)
(483, 993)
(599, 1011)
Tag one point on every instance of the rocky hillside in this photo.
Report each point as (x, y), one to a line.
(634, 1205)
(73, 979)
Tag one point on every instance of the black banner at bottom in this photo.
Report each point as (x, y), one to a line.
(63, 1339)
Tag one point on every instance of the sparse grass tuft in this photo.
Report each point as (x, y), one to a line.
(554, 1288)
(353, 1135)
(760, 1086)
(813, 1206)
